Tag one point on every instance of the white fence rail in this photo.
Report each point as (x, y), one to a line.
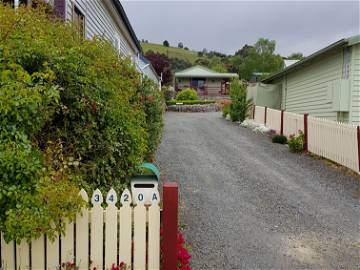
(104, 236)
(273, 119)
(338, 142)
(259, 115)
(334, 141)
(293, 123)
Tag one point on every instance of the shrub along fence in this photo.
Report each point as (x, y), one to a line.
(100, 237)
(336, 141)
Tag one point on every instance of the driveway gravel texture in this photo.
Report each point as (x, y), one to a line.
(247, 203)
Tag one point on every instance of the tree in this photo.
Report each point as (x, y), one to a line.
(178, 64)
(166, 43)
(244, 51)
(186, 48)
(161, 64)
(180, 45)
(240, 104)
(259, 58)
(296, 56)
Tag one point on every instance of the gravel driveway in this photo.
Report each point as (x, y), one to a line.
(247, 203)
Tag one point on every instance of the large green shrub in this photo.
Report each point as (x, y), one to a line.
(70, 116)
(240, 105)
(187, 94)
(154, 107)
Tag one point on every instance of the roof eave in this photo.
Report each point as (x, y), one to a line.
(123, 15)
(332, 46)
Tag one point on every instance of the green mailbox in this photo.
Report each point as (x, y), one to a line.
(144, 187)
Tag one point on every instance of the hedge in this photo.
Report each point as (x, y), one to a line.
(73, 114)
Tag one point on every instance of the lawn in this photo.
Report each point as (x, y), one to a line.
(171, 52)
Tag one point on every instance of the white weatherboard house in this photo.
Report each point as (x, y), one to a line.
(104, 18)
(325, 84)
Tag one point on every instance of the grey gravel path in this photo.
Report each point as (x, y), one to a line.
(249, 204)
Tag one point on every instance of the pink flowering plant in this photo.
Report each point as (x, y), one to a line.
(183, 256)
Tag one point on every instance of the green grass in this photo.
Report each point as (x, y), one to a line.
(171, 52)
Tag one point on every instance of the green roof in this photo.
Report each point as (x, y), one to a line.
(203, 72)
(336, 45)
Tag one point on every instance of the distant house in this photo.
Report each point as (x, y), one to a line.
(325, 84)
(205, 81)
(104, 18)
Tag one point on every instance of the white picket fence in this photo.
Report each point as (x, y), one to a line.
(333, 140)
(293, 123)
(273, 119)
(259, 115)
(102, 236)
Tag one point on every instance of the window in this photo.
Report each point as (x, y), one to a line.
(79, 20)
(18, 3)
(9, 2)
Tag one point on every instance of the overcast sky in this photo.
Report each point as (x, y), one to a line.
(227, 26)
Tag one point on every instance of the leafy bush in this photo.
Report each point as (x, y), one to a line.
(296, 143)
(71, 115)
(169, 92)
(281, 139)
(154, 107)
(240, 105)
(226, 110)
(187, 94)
(190, 102)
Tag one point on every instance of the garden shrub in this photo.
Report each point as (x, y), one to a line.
(154, 107)
(240, 105)
(71, 116)
(296, 143)
(281, 139)
(226, 110)
(187, 94)
(169, 92)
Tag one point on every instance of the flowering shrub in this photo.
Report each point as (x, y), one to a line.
(296, 143)
(183, 253)
(121, 266)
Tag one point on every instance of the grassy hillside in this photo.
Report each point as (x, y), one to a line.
(171, 52)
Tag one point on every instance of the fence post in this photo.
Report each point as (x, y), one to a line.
(282, 123)
(358, 141)
(306, 132)
(253, 112)
(170, 225)
(265, 115)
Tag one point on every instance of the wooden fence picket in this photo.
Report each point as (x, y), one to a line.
(139, 232)
(7, 254)
(97, 223)
(111, 221)
(67, 244)
(52, 253)
(23, 255)
(38, 254)
(154, 232)
(125, 217)
(82, 235)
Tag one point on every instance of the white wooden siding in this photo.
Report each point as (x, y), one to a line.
(307, 88)
(98, 22)
(355, 85)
